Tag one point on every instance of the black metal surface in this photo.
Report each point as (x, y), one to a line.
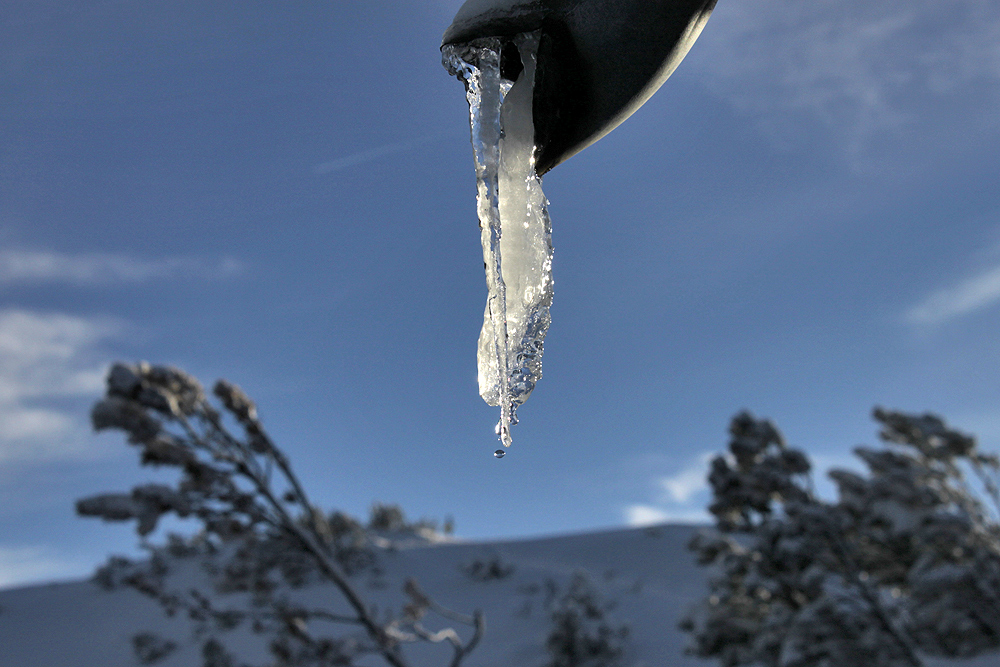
(598, 60)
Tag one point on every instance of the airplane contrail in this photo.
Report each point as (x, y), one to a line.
(372, 154)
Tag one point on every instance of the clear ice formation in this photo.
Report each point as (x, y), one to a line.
(513, 219)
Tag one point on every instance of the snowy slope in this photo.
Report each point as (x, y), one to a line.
(647, 570)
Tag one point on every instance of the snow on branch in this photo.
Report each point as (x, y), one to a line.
(905, 564)
(260, 534)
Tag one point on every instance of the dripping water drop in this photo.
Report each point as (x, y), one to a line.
(499, 453)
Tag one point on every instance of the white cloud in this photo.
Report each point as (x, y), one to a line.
(680, 500)
(644, 515)
(24, 266)
(686, 483)
(24, 565)
(647, 515)
(866, 70)
(24, 423)
(46, 358)
(974, 293)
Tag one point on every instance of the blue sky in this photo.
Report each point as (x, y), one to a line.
(803, 222)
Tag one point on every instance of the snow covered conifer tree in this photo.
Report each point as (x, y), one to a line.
(581, 634)
(260, 537)
(905, 564)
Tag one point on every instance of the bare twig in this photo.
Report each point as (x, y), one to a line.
(142, 400)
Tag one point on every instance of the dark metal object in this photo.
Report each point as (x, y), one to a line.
(598, 60)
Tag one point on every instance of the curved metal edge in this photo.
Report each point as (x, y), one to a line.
(589, 89)
(495, 18)
(598, 62)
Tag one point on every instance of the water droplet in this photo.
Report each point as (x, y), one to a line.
(499, 453)
(503, 433)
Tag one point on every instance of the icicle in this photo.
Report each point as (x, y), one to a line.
(515, 226)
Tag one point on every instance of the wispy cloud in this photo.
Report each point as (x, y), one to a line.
(976, 292)
(23, 565)
(679, 499)
(865, 70)
(373, 154)
(47, 362)
(34, 266)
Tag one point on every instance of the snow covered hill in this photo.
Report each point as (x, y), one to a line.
(647, 571)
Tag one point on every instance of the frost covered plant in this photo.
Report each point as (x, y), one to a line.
(581, 634)
(259, 533)
(493, 568)
(905, 564)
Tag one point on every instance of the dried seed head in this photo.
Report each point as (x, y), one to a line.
(236, 401)
(126, 415)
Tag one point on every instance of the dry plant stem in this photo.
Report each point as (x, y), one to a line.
(903, 566)
(230, 482)
(204, 607)
(386, 646)
(333, 618)
(477, 620)
(274, 455)
(854, 573)
(850, 567)
(966, 499)
(246, 466)
(988, 483)
(460, 652)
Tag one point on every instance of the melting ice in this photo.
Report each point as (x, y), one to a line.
(514, 223)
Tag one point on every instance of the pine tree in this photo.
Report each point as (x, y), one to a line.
(905, 564)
